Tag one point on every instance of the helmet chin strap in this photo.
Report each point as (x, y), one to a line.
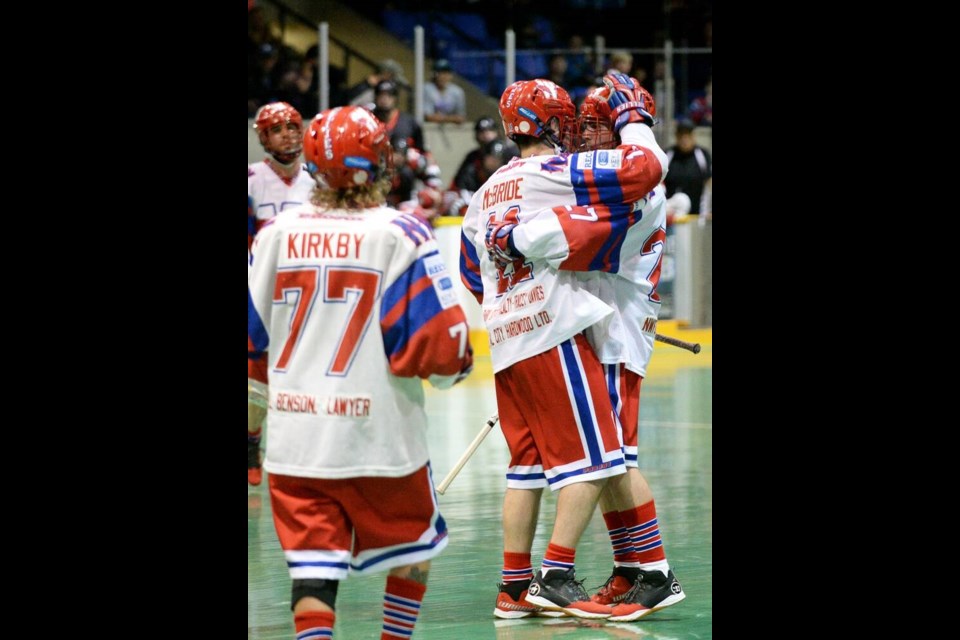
(286, 165)
(549, 135)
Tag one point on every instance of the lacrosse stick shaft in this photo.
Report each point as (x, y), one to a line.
(487, 428)
(683, 344)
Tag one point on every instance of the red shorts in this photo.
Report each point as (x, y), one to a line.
(556, 416)
(624, 388)
(331, 528)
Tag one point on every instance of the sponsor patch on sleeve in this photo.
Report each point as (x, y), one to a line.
(604, 159)
(442, 284)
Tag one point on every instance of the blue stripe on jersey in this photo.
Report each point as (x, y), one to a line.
(413, 228)
(420, 310)
(608, 186)
(620, 221)
(579, 182)
(587, 426)
(255, 328)
(468, 251)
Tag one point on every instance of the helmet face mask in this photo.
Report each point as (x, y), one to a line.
(280, 128)
(593, 122)
(347, 147)
(540, 109)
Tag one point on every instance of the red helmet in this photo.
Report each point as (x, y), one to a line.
(269, 116)
(527, 106)
(594, 122)
(347, 147)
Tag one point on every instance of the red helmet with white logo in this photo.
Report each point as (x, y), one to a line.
(347, 147)
(279, 113)
(527, 106)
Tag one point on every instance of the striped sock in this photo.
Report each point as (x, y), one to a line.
(314, 625)
(645, 534)
(254, 438)
(623, 553)
(401, 607)
(557, 557)
(516, 567)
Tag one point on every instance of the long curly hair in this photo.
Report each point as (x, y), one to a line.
(363, 196)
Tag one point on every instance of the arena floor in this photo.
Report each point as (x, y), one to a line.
(676, 437)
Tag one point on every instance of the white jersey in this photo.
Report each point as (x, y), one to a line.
(630, 288)
(271, 194)
(530, 306)
(354, 309)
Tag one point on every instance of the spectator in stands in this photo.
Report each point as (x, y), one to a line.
(411, 160)
(363, 93)
(263, 81)
(443, 101)
(579, 65)
(558, 70)
(621, 62)
(701, 109)
(485, 130)
(690, 168)
(493, 155)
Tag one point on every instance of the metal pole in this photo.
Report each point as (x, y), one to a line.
(323, 65)
(418, 62)
(668, 81)
(511, 59)
(599, 45)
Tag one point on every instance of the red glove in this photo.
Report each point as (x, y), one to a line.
(499, 243)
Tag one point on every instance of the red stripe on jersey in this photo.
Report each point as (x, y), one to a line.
(425, 355)
(401, 307)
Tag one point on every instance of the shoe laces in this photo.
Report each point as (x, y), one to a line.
(639, 586)
(606, 586)
(580, 590)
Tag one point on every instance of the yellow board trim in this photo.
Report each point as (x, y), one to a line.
(448, 221)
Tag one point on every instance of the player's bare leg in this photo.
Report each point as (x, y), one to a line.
(521, 510)
(554, 587)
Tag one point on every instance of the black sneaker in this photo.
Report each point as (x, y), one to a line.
(558, 591)
(254, 473)
(651, 592)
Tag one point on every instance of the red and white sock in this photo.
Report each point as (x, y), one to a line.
(401, 607)
(557, 557)
(516, 567)
(314, 625)
(645, 534)
(623, 553)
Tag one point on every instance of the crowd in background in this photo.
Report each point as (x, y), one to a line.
(279, 72)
